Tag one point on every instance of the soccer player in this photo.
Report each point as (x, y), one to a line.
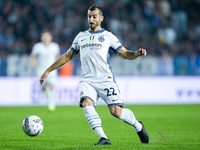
(42, 56)
(97, 79)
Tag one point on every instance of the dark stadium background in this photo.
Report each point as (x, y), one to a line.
(168, 29)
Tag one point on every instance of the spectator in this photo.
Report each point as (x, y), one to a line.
(23, 21)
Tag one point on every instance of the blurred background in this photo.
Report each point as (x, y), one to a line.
(168, 29)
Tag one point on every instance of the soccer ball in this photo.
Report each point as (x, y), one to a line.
(32, 125)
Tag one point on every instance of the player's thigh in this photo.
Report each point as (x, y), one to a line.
(86, 90)
(110, 93)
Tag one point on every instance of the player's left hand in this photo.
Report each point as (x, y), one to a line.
(141, 52)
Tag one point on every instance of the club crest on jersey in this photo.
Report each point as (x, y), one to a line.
(91, 37)
(101, 38)
(81, 93)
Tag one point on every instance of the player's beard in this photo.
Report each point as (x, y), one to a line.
(95, 25)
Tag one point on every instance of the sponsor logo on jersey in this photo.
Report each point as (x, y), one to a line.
(92, 46)
(101, 38)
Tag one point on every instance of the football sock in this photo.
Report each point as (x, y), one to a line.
(51, 99)
(94, 121)
(128, 117)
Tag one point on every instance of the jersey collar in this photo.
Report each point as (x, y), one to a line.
(98, 31)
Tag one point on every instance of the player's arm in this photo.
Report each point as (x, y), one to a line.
(66, 57)
(32, 60)
(127, 54)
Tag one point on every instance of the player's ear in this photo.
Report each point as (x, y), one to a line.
(101, 18)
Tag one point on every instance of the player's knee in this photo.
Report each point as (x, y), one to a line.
(116, 111)
(86, 102)
(116, 114)
(49, 87)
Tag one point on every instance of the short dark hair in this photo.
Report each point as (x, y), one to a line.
(94, 7)
(46, 31)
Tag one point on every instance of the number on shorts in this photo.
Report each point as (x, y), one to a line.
(110, 92)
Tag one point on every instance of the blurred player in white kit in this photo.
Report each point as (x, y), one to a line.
(43, 55)
(97, 79)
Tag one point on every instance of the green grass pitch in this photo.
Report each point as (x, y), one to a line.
(173, 127)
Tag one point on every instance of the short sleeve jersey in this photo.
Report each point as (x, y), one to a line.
(45, 56)
(94, 48)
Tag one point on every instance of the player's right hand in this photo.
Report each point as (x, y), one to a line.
(43, 77)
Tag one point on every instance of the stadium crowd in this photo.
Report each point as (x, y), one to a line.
(163, 27)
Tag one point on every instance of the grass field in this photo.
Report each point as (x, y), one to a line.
(170, 127)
